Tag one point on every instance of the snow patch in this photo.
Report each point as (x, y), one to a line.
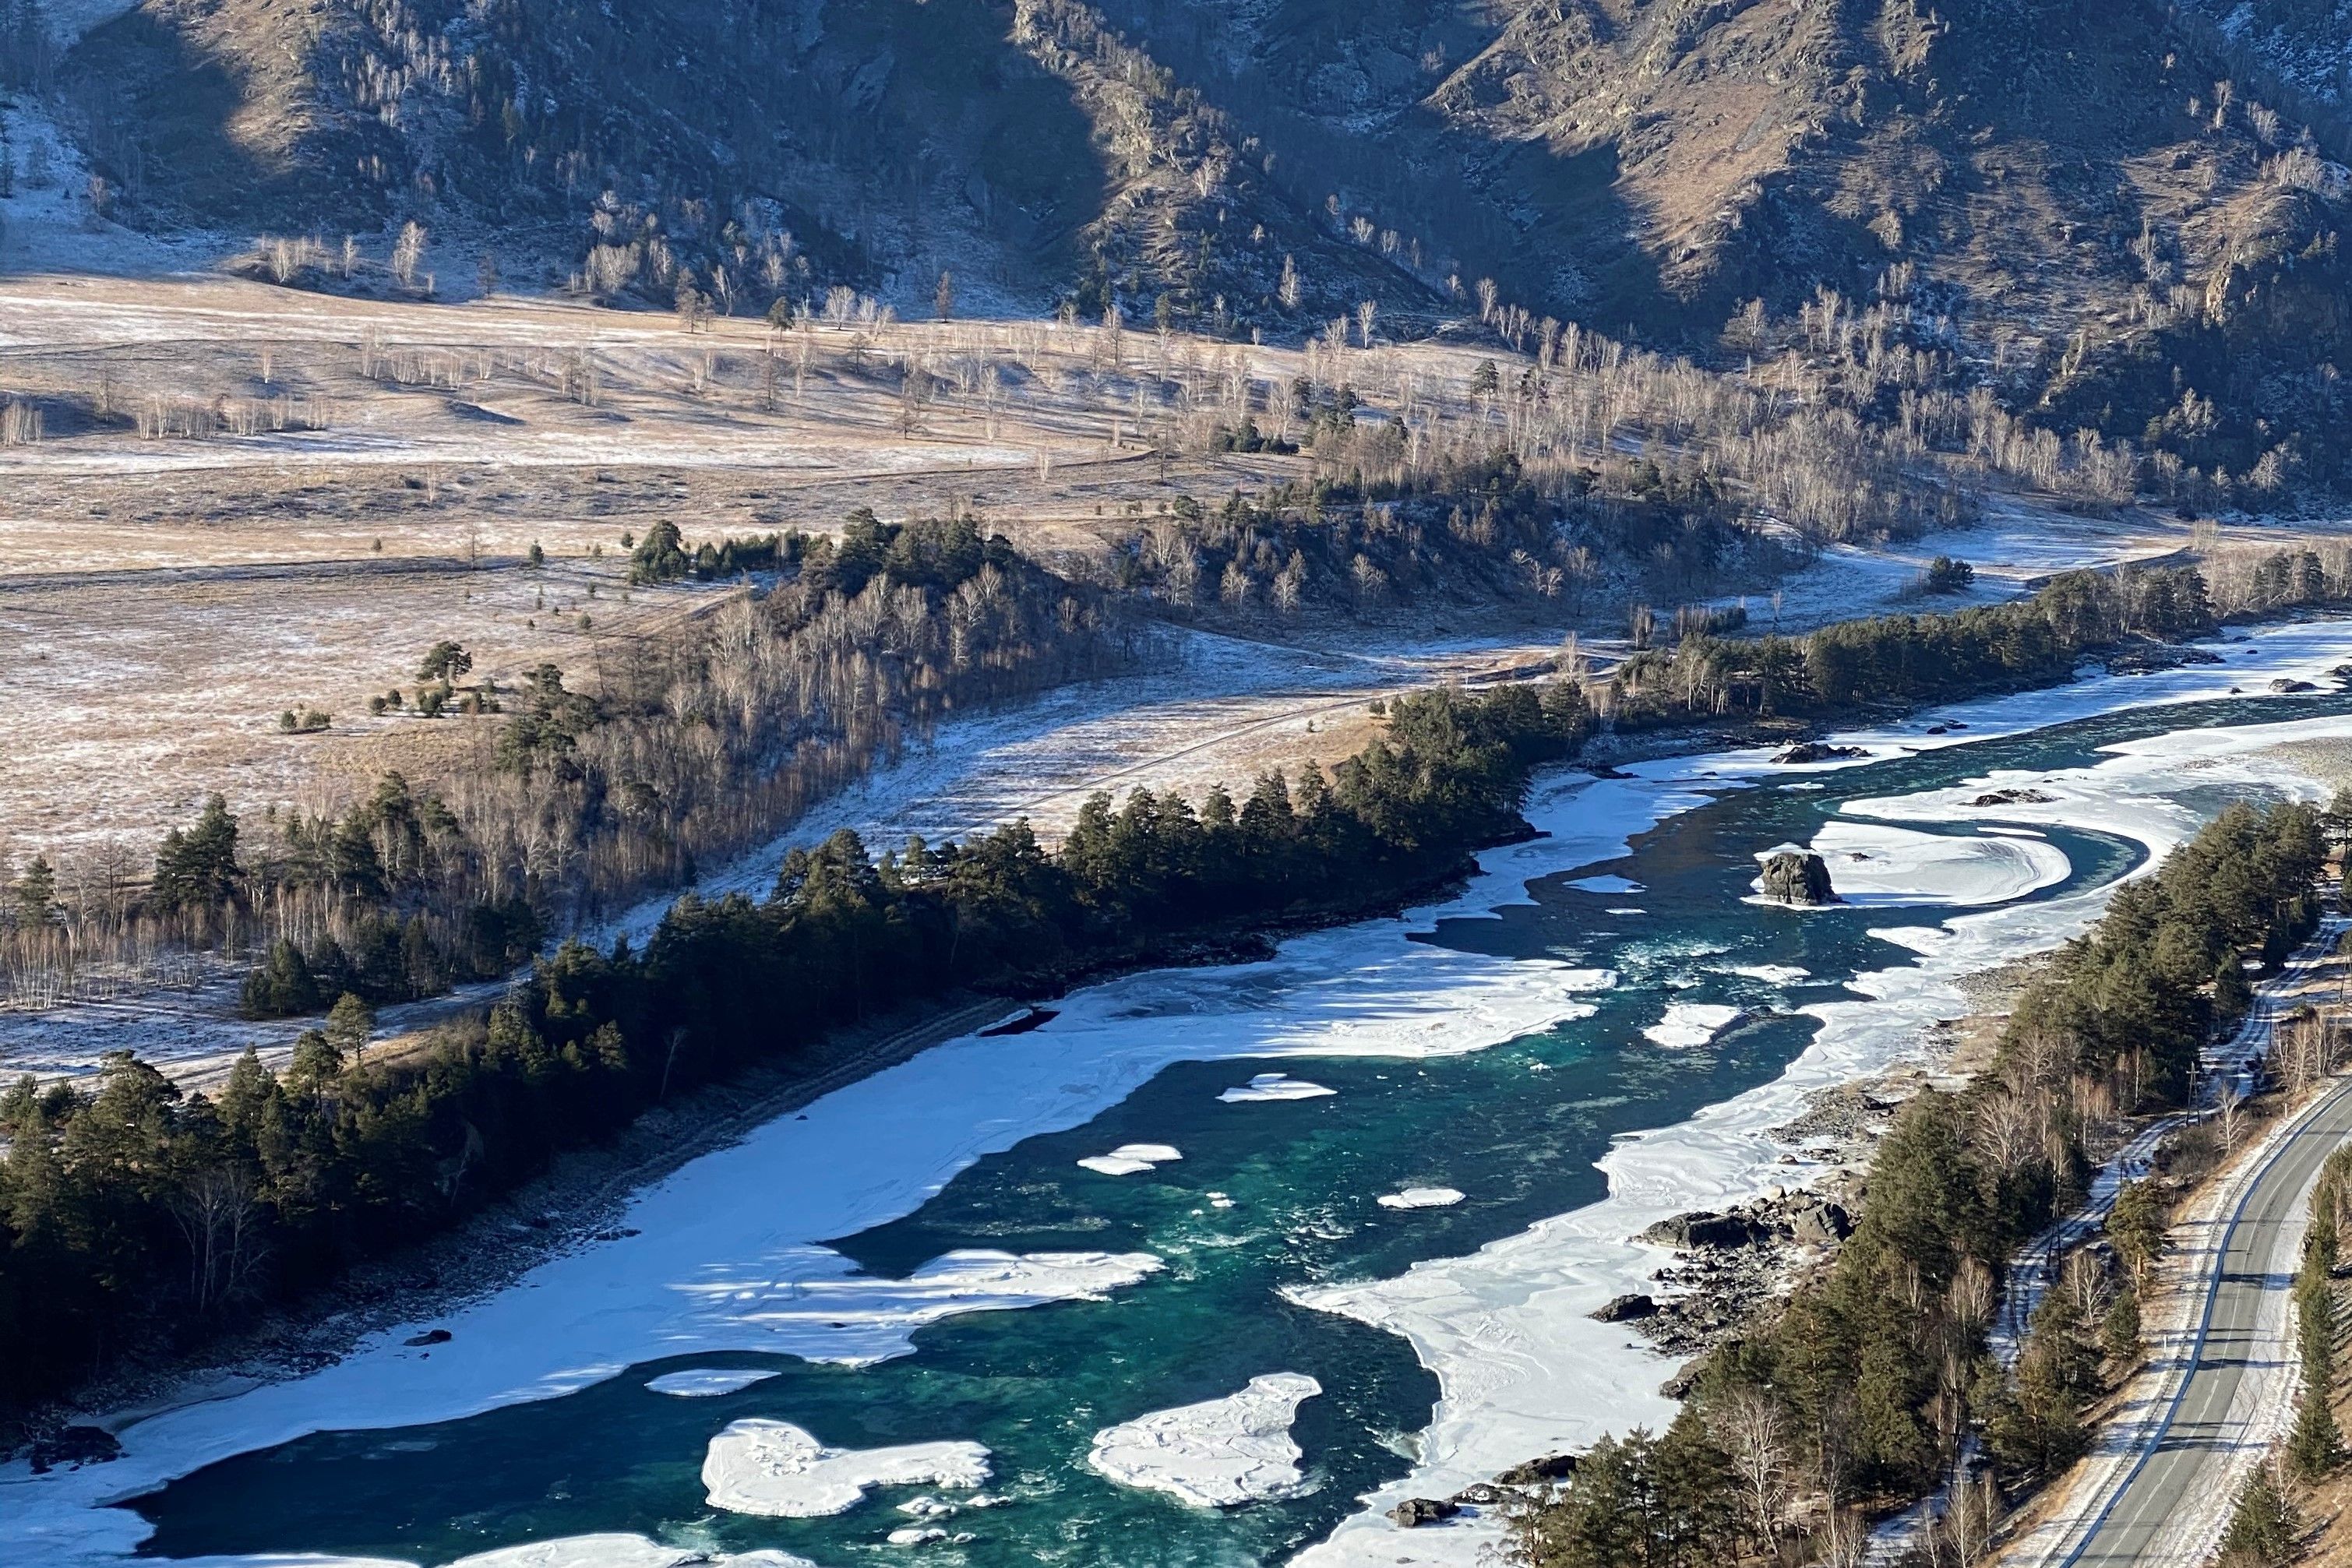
(708, 1382)
(1220, 1453)
(779, 1471)
(1275, 1086)
(1422, 1198)
(1691, 1024)
(1128, 1159)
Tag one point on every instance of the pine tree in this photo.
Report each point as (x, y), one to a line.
(2316, 1446)
(37, 893)
(2265, 1525)
(350, 1023)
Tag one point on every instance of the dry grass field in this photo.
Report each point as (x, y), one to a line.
(174, 583)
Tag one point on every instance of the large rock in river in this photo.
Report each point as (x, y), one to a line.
(1798, 877)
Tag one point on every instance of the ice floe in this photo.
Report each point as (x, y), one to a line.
(1128, 1159)
(1220, 1453)
(1607, 883)
(1275, 1086)
(1772, 974)
(708, 1382)
(1874, 863)
(780, 1471)
(1421, 1198)
(609, 1551)
(1690, 1024)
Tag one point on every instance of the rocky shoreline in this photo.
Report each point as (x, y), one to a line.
(1730, 1265)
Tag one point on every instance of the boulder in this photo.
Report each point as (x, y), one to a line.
(1702, 1228)
(1806, 751)
(1820, 1224)
(1535, 1472)
(1415, 1512)
(1797, 878)
(430, 1336)
(73, 1446)
(2283, 685)
(1626, 1308)
(1480, 1494)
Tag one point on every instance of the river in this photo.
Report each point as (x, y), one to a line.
(1602, 1029)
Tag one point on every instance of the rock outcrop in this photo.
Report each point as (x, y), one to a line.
(1797, 878)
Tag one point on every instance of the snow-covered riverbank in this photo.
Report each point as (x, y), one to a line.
(1521, 1368)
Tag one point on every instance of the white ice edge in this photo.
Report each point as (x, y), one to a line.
(612, 1550)
(1219, 1453)
(709, 1272)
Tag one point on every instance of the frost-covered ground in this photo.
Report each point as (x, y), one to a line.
(1521, 1368)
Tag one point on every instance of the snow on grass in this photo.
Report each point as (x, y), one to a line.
(1220, 1453)
(1268, 1086)
(1422, 1198)
(1872, 864)
(1691, 1024)
(777, 1469)
(708, 1382)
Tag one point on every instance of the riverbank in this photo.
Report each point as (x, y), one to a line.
(1361, 990)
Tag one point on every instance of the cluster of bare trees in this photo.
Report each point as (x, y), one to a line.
(70, 927)
(671, 753)
(774, 705)
(2243, 579)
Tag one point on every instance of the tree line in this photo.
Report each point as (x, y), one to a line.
(131, 1214)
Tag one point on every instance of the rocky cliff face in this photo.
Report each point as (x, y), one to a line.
(2092, 213)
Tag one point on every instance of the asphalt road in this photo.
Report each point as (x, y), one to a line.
(2182, 1472)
